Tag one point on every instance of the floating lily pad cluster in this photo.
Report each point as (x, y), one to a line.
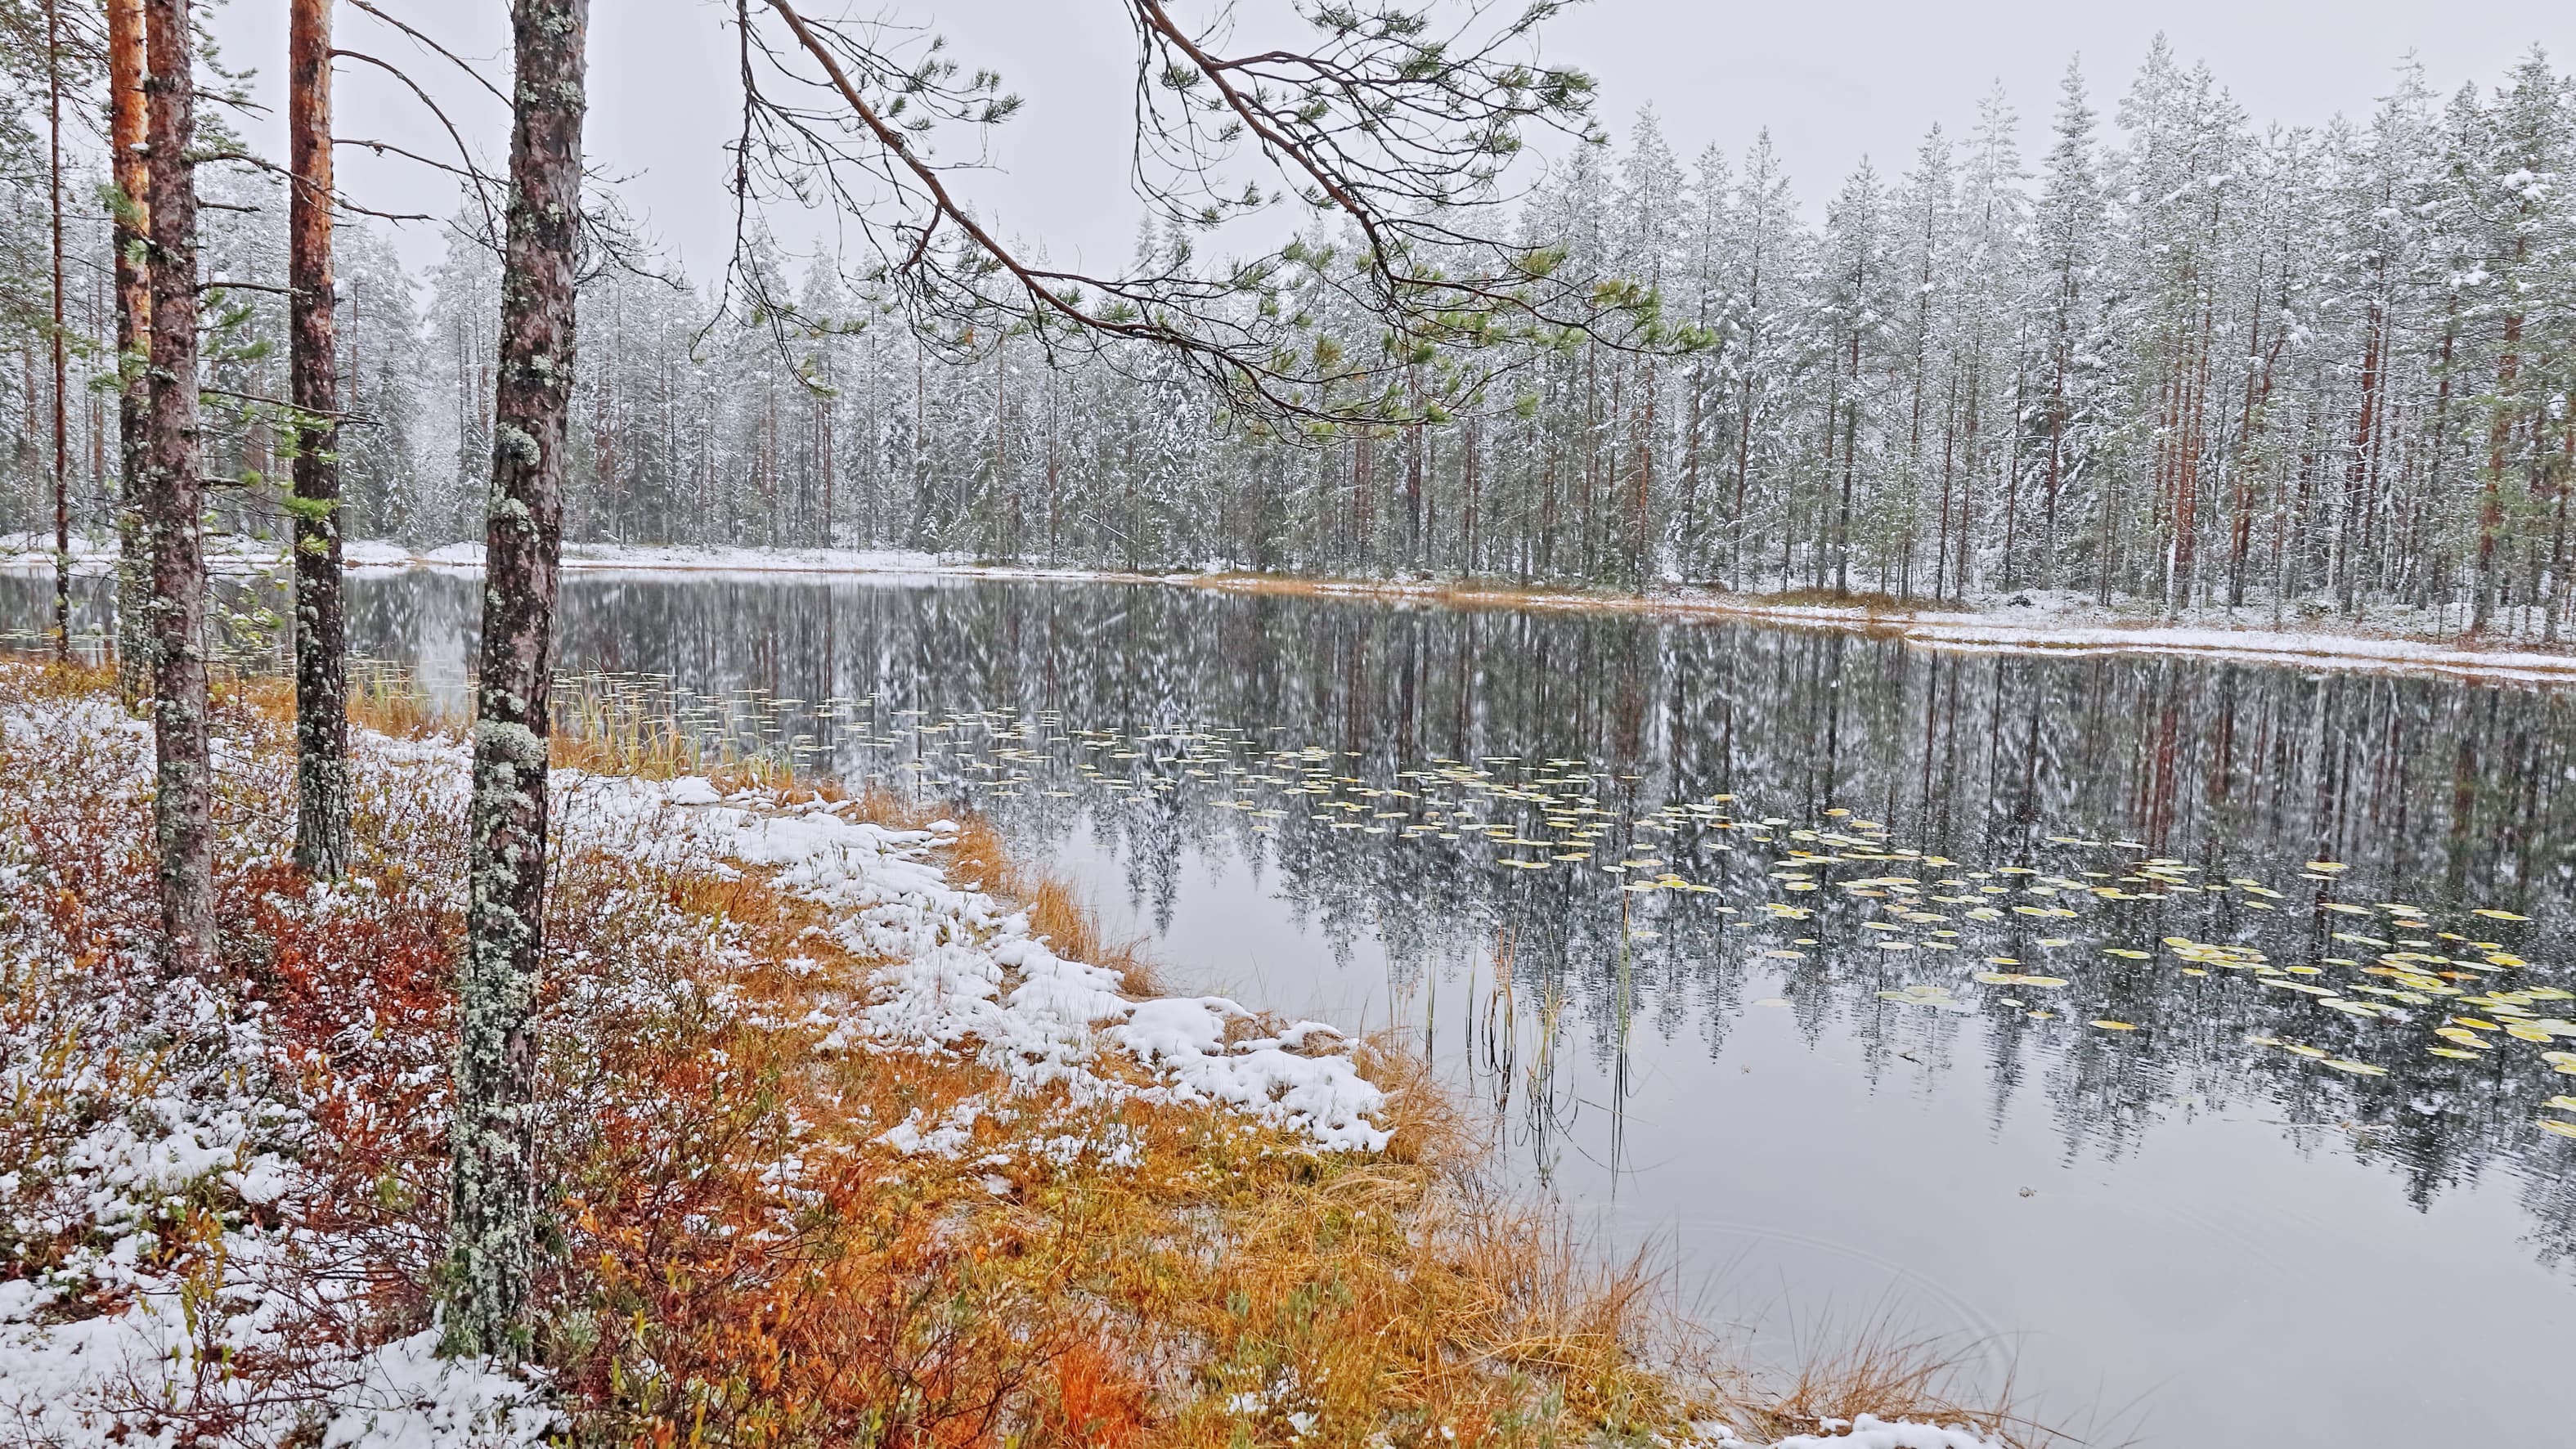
(2438, 982)
(2407, 964)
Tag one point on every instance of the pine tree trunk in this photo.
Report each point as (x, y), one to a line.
(1414, 557)
(2011, 482)
(2357, 470)
(1468, 560)
(2186, 547)
(493, 1222)
(62, 398)
(126, 108)
(1960, 582)
(2491, 494)
(1642, 505)
(2060, 355)
(321, 711)
(172, 499)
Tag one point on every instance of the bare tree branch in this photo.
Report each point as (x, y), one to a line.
(1398, 130)
(423, 40)
(481, 180)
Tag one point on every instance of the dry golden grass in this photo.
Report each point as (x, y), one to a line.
(42, 676)
(1877, 1367)
(392, 702)
(1220, 1279)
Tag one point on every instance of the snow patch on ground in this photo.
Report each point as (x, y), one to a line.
(2252, 646)
(118, 1343)
(965, 976)
(225, 553)
(1867, 1432)
(406, 1397)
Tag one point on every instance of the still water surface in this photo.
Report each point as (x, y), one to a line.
(2182, 1037)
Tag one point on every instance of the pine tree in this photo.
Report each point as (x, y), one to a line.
(2067, 246)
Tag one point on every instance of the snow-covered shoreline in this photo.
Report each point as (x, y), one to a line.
(2024, 623)
(93, 556)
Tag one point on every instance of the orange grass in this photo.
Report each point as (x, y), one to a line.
(739, 1261)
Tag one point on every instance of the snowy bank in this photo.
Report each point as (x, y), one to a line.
(2021, 623)
(964, 974)
(2018, 624)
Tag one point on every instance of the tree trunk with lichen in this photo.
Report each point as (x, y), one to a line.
(321, 710)
(128, 146)
(493, 1222)
(171, 508)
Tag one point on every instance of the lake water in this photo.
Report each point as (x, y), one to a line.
(2183, 1038)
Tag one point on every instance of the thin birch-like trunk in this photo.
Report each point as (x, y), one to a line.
(494, 1206)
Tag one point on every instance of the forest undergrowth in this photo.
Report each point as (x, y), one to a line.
(222, 1201)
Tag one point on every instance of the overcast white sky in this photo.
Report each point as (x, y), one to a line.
(1832, 82)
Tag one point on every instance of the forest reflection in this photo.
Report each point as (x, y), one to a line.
(1613, 836)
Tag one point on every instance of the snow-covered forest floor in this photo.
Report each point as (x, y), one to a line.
(853, 1138)
(2374, 637)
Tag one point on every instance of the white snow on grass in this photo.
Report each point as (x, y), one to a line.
(1866, 1432)
(407, 1397)
(151, 1115)
(133, 1377)
(2253, 646)
(965, 976)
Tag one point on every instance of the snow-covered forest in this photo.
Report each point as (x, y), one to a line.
(2147, 349)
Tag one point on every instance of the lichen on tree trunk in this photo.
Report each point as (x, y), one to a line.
(495, 1191)
(173, 499)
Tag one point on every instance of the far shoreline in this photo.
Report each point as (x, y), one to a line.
(2027, 623)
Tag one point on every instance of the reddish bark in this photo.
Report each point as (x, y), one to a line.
(173, 498)
(126, 110)
(321, 711)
